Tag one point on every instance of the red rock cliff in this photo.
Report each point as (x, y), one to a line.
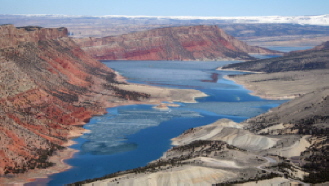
(172, 43)
(48, 84)
(11, 36)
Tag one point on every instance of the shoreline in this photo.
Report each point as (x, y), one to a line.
(158, 96)
(282, 85)
(33, 175)
(289, 150)
(203, 133)
(221, 68)
(128, 177)
(256, 92)
(57, 158)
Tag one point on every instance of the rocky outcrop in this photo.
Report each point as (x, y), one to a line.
(173, 43)
(12, 36)
(48, 85)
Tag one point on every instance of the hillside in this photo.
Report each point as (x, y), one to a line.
(307, 114)
(322, 46)
(294, 61)
(49, 87)
(201, 43)
(301, 75)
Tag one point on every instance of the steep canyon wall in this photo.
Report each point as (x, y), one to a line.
(48, 85)
(184, 43)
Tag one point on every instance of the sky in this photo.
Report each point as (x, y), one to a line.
(229, 8)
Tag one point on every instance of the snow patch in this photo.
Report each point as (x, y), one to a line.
(302, 20)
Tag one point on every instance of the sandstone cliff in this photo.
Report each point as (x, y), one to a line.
(12, 36)
(47, 86)
(173, 43)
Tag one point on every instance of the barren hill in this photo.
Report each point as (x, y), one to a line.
(303, 75)
(322, 46)
(316, 58)
(172, 43)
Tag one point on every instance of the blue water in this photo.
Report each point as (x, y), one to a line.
(131, 136)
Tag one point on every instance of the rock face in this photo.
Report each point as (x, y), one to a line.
(173, 43)
(48, 84)
(12, 36)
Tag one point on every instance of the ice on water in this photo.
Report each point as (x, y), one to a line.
(109, 132)
(187, 74)
(241, 109)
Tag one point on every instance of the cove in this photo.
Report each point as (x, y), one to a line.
(131, 136)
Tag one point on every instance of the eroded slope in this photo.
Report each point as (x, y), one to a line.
(172, 43)
(48, 86)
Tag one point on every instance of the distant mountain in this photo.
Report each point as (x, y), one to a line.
(322, 46)
(303, 20)
(307, 20)
(243, 27)
(316, 58)
(172, 43)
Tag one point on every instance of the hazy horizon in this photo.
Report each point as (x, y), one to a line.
(207, 8)
(122, 15)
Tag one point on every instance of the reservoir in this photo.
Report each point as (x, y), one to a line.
(131, 136)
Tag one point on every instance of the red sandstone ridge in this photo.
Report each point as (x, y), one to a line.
(11, 36)
(173, 43)
(48, 84)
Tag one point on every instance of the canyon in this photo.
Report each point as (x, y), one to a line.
(49, 88)
(201, 43)
(287, 145)
(51, 84)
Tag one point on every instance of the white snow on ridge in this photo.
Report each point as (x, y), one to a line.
(303, 20)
